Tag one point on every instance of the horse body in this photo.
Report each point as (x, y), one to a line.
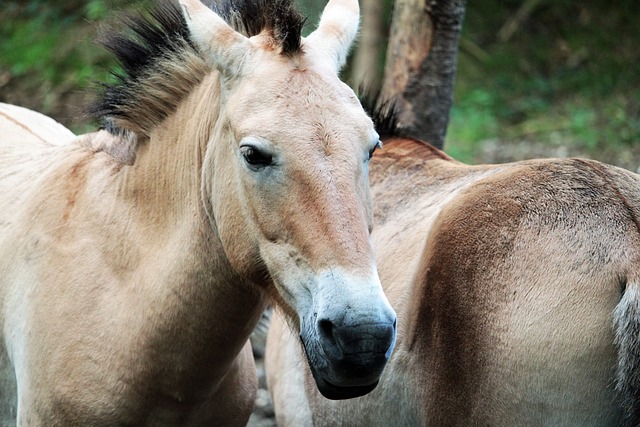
(24, 136)
(505, 279)
(136, 260)
(113, 290)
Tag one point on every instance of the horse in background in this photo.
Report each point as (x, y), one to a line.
(517, 290)
(232, 171)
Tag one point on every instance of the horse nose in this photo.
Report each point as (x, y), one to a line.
(357, 351)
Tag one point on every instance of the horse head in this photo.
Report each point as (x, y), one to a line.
(285, 181)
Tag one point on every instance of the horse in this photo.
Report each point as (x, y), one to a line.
(517, 291)
(19, 123)
(231, 172)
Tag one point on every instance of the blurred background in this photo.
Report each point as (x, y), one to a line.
(536, 78)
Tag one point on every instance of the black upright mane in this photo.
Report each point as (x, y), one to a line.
(383, 112)
(160, 64)
(251, 17)
(386, 118)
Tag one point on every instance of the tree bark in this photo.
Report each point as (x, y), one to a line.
(368, 58)
(421, 65)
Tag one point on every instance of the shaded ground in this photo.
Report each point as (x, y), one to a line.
(263, 415)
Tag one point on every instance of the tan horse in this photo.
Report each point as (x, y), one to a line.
(517, 289)
(135, 261)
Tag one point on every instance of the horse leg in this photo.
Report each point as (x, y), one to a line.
(285, 370)
(627, 330)
(234, 397)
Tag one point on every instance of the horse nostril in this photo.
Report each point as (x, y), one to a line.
(325, 327)
(369, 338)
(327, 331)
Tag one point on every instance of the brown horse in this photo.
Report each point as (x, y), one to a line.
(517, 289)
(135, 261)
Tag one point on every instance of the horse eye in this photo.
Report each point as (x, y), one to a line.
(255, 157)
(373, 150)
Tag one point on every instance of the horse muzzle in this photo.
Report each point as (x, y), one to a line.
(347, 357)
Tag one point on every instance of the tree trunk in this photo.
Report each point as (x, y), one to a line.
(421, 65)
(368, 58)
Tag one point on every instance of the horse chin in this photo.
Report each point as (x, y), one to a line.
(331, 390)
(334, 392)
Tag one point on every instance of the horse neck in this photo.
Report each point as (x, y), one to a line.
(161, 194)
(165, 178)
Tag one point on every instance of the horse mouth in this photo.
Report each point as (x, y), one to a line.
(334, 392)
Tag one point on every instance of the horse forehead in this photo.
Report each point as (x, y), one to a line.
(290, 82)
(302, 97)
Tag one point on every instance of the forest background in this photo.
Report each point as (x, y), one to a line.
(536, 78)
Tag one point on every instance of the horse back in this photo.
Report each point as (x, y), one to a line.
(515, 294)
(20, 125)
(26, 140)
(30, 145)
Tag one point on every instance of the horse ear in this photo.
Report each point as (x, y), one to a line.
(337, 29)
(223, 48)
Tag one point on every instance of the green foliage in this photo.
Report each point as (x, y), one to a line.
(473, 118)
(49, 57)
(96, 9)
(569, 75)
(24, 46)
